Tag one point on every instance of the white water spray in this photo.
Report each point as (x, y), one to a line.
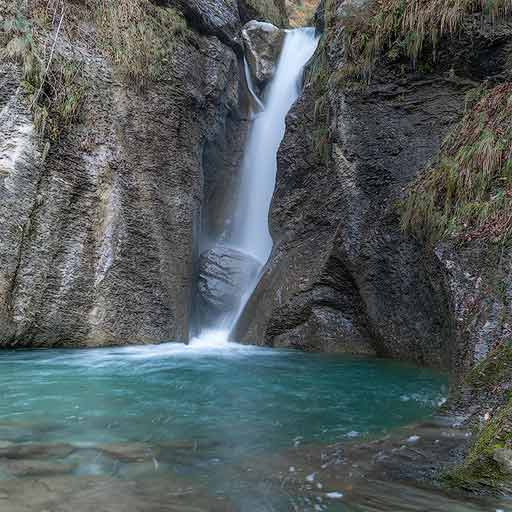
(251, 233)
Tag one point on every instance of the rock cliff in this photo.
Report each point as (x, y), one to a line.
(343, 275)
(118, 121)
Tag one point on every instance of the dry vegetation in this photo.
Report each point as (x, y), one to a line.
(136, 35)
(468, 192)
(301, 12)
(408, 29)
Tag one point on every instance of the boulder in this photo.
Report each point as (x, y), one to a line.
(224, 275)
(262, 43)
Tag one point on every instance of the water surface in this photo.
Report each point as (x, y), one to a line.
(215, 426)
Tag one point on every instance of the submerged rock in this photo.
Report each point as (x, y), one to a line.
(263, 43)
(223, 276)
(25, 468)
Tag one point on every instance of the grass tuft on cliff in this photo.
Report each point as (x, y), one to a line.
(467, 193)
(137, 35)
(407, 29)
(318, 74)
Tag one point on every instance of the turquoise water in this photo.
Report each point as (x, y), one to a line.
(249, 399)
(219, 428)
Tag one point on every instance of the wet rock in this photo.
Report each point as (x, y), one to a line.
(263, 43)
(224, 275)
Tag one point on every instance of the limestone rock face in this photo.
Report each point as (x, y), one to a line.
(224, 274)
(263, 43)
(97, 242)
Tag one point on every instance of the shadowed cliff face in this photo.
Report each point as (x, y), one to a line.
(97, 240)
(342, 275)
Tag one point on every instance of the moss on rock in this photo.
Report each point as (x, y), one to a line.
(493, 370)
(482, 469)
(488, 464)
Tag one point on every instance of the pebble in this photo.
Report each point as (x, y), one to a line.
(413, 439)
(311, 477)
(292, 469)
(334, 495)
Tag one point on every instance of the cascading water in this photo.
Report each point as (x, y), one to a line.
(250, 237)
(251, 232)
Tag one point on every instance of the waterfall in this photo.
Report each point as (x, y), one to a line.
(250, 236)
(251, 232)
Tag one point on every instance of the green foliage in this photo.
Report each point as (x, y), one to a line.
(406, 29)
(138, 35)
(467, 193)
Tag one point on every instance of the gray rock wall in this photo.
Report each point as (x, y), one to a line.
(98, 241)
(342, 275)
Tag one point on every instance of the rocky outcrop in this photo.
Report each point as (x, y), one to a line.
(273, 11)
(262, 43)
(343, 276)
(98, 233)
(223, 18)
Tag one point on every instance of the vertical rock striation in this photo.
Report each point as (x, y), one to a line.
(97, 234)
